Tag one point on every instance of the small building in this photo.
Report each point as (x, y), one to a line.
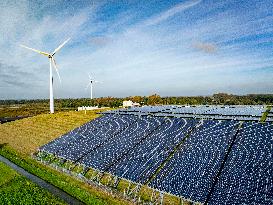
(87, 108)
(130, 103)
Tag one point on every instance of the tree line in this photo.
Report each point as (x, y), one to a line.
(218, 99)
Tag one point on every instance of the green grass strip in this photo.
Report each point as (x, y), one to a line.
(263, 118)
(16, 189)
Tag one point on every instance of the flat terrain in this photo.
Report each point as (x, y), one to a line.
(28, 109)
(16, 189)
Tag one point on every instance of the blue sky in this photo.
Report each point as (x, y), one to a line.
(172, 48)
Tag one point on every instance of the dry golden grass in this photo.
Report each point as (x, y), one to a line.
(28, 134)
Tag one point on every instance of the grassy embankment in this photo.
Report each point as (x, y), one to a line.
(23, 137)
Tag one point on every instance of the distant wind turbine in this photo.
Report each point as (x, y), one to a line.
(51, 61)
(91, 81)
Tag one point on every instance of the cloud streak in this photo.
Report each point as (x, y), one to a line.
(205, 47)
(171, 12)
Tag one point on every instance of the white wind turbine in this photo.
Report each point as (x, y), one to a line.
(51, 61)
(91, 82)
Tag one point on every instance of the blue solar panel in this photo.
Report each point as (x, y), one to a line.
(68, 138)
(247, 177)
(104, 156)
(86, 143)
(191, 171)
(142, 162)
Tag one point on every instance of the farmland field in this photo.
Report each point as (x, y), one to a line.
(16, 189)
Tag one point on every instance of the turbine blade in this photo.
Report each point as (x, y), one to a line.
(89, 76)
(37, 51)
(59, 47)
(88, 85)
(56, 68)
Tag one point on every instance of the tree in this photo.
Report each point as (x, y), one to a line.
(154, 100)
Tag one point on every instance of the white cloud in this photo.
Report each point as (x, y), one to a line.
(134, 58)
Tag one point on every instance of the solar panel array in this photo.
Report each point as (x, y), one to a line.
(220, 161)
(239, 112)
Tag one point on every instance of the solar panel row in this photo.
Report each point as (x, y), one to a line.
(89, 141)
(140, 164)
(251, 113)
(190, 173)
(115, 148)
(247, 177)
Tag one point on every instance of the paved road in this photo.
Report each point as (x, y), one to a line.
(40, 182)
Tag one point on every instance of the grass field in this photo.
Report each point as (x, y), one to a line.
(16, 189)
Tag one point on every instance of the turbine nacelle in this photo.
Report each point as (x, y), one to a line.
(91, 82)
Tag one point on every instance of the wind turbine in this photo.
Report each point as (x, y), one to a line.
(91, 81)
(51, 61)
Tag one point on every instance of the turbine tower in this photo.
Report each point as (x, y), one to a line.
(51, 61)
(91, 81)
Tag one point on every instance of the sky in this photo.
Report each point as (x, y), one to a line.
(135, 47)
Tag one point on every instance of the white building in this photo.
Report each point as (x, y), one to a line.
(130, 103)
